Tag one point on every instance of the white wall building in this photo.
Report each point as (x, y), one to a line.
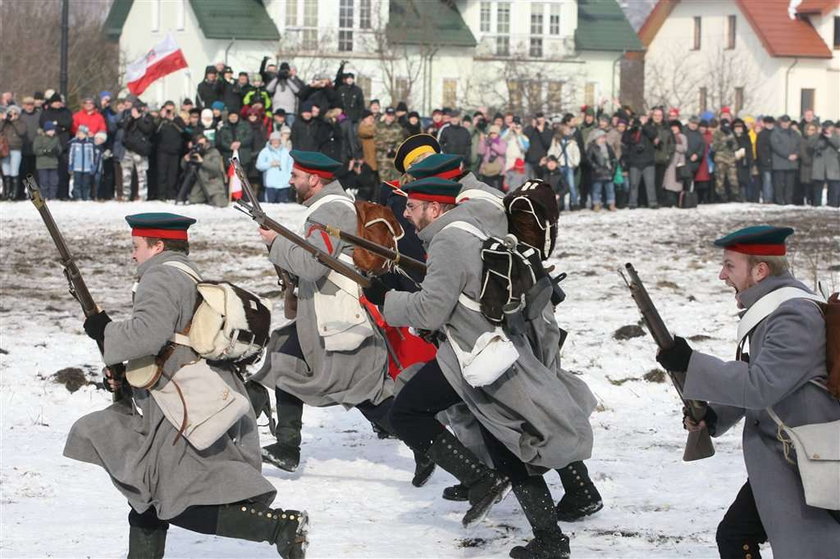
(750, 55)
(552, 55)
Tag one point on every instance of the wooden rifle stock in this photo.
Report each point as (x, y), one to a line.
(252, 207)
(77, 286)
(389, 254)
(699, 444)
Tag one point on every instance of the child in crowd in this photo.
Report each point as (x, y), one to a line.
(275, 162)
(550, 172)
(82, 163)
(102, 157)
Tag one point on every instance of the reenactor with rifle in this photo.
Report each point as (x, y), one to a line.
(334, 355)
(777, 385)
(203, 474)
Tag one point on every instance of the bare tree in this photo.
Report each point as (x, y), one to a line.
(30, 33)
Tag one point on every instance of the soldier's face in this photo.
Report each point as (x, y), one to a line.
(416, 211)
(303, 183)
(738, 273)
(142, 251)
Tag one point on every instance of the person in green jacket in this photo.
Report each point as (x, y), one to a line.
(47, 149)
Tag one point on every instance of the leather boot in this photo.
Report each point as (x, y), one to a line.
(549, 540)
(486, 487)
(424, 467)
(285, 453)
(596, 207)
(581, 498)
(457, 492)
(611, 207)
(7, 187)
(254, 522)
(146, 543)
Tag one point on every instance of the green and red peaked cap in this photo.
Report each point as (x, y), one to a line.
(159, 225)
(315, 163)
(441, 165)
(433, 189)
(759, 240)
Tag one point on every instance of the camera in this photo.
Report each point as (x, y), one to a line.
(195, 153)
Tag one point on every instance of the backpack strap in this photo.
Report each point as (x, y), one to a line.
(478, 194)
(326, 200)
(467, 302)
(765, 306)
(179, 337)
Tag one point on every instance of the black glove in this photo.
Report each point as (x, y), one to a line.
(376, 292)
(676, 357)
(95, 325)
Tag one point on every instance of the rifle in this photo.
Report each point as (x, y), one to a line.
(388, 254)
(252, 208)
(699, 443)
(78, 287)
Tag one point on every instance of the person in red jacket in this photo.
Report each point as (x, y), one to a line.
(89, 116)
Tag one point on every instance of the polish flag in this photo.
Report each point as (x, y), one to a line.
(233, 180)
(162, 60)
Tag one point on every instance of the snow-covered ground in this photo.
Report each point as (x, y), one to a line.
(357, 488)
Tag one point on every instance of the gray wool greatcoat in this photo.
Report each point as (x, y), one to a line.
(136, 448)
(542, 416)
(326, 377)
(786, 351)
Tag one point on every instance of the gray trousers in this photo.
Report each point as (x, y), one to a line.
(649, 175)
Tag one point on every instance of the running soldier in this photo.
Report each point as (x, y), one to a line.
(784, 376)
(167, 480)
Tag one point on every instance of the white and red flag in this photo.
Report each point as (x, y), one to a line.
(234, 184)
(164, 58)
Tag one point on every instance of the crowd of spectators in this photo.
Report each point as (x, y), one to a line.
(123, 149)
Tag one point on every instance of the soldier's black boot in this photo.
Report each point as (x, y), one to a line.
(581, 498)
(549, 540)
(146, 543)
(424, 467)
(457, 492)
(486, 487)
(286, 529)
(285, 453)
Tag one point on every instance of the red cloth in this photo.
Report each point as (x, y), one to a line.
(702, 174)
(93, 120)
(408, 348)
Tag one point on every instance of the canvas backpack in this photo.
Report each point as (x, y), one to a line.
(229, 323)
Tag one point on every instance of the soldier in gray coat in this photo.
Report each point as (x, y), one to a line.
(313, 366)
(524, 429)
(784, 144)
(218, 490)
(785, 370)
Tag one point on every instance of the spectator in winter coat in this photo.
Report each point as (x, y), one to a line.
(412, 125)
(320, 92)
(663, 146)
(602, 163)
(276, 165)
(565, 149)
(492, 151)
(14, 131)
(331, 137)
(258, 97)
(803, 189)
(138, 128)
(29, 116)
(62, 119)
(367, 135)
(305, 130)
(696, 147)
(207, 126)
(351, 97)
(517, 146)
(784, 145)
(102, 189)
(550, 172)
(89, 116)
(672, 182)
(638, 151)
(210, 90)
(170, 139)
(764, 159)
(744, 161)
(825, 151)
(209, 186)
(284, 89)
(389, 135)
(456, 139)
(235, 137)
(47, 150)
(83, 163)
(539, 138)
(231, 95)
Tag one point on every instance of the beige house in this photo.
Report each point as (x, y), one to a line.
(553, 55)
(756, 56)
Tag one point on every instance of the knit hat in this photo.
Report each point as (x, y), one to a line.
(274, 136)
(402, 107)
(49, 125)
(597, 134)
(218, 106)
(307, 107)
(105, 94)
(53, 98)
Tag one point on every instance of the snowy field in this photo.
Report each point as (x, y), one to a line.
(357, 488)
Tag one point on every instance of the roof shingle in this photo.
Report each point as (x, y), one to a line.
(602, 25)
(423, 22)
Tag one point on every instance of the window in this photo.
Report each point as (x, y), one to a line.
(697, 30)
(739, 99)
(484, 21)
(155, 17)
(536, 47)
(345, 25)
(515, 96)
(536, 19)
(503, 29)
(837, 32)
(180, 15)
(364, 14)
(554, 97)
(291, 13)
(703, 101)
(535, 95)
(364, 83)
(806, 100)
(554, 20)
(503, 46)
(589, 94)
(310, 23)
(450, 93)
(730, 32)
